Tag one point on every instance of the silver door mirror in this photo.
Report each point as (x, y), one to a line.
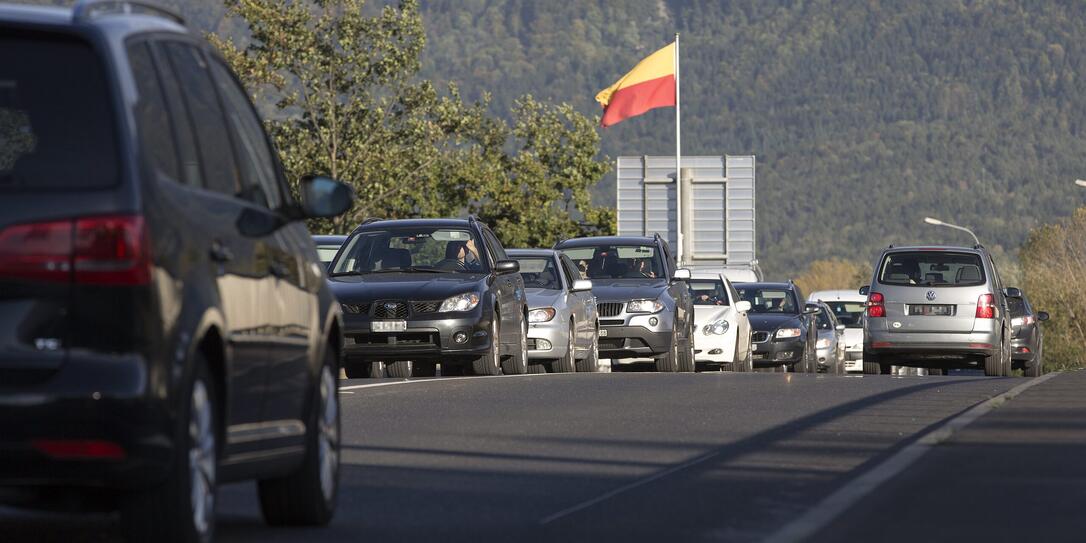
(581, 285)
(840, 328)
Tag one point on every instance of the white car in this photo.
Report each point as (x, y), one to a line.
(721, 327)
(848, 306)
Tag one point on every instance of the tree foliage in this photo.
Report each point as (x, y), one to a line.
(1054, 270)
(834, 274)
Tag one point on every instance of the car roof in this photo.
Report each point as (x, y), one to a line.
(705, 275)
(607, 240)
(766, 284)
(837, 295)
(531, 252)
(393, 223)
(325, 238)
(114, 23)
(955, 248)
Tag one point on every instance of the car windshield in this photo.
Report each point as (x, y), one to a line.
(416, 249)
(539, 272)
(848, 313)
(931, 269)
(52, 137)
(708, 292)
(824, 322)
(327, 252)
(618, 262)
(768, 300)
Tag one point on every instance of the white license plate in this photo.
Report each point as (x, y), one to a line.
(754, 346)
(388, 326)
(603, 332)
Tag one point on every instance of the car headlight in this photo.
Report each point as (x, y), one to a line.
(644, 306)
(460, 302)
(719, 328)
(542, 314)
(788, 332)
(822, 343)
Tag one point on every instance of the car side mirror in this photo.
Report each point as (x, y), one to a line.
(742, 306)
(504, 267)
(811, 309)
(325, 197)
(681, 274)
(865, 289)
(581, 285)
(1042, 316)
(1012, 292)
(840, 328)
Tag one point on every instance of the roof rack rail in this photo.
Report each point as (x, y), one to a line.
(85, 10)
(368, 220)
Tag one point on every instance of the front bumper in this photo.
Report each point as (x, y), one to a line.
(854, 360)
(427, 338)
(634, 335)
(714, 348)
(774, 353)
(101, 398)
(548, 340)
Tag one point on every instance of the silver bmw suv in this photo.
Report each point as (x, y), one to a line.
(938, 308)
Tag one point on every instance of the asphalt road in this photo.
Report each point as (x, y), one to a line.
(600, 457)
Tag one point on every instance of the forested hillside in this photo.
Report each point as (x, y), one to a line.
(865, 115)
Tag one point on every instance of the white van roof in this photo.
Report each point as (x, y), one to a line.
(837, 296)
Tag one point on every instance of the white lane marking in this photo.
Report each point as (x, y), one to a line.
(839, 502)
(444, 379)
(603, 497)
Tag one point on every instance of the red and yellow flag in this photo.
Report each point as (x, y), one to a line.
(651, 84)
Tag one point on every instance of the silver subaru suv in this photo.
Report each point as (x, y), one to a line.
(938, 308)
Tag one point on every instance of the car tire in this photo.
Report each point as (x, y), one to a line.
(591, 363)
(686, 356)
(517, 363)
(536, 369)
(1008, 362)
(401, 369)
(490, 363)
(424, 369)
(993, 364)
(1036, 367)
(308, 496)
(568, 363)
(182, 509)
(669, 361)
(871, 364)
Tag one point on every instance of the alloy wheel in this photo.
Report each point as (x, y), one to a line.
(202, 457)
(328, 439)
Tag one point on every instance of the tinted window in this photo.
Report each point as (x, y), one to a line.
(1017, 307)
(825, 322)
(707, 292)
(156, 136)
(184, 136)
(932, 268)
(768, 300)
(848, 313)
(259, 181)
(618, 262)
(539, 273)
(572, 273)
(416, 250)
(327, 252)
(495, 246)
(216, 153)
(56, 117)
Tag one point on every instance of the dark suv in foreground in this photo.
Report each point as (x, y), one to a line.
(645, 309)
(165, 326)
(783, 328)
(419, 292)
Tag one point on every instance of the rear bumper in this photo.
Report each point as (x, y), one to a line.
(774, 353)
(90, 398)
(932, 345)
(1017, 346)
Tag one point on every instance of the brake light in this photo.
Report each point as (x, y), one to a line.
(986, 306)
(110, 250)
(80, 449)
(875, 305)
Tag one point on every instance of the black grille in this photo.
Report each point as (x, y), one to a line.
(531, 344)
(357, 309)
(395, 340)
(390, 309)
(759, 337)
(609, 309)
(425, 307)
(612, 322)
(612, 343)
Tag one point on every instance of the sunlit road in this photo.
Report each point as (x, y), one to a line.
(630, 456)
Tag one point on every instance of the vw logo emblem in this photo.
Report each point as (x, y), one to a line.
(391, 306)
(931, 295)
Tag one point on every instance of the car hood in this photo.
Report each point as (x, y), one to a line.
(769, 322)
(404, 286)
(621, 290)
(704, 314)
(542, 297)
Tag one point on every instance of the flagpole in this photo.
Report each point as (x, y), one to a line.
(678, 165)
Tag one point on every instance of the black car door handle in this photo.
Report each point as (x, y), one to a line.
(220, 252)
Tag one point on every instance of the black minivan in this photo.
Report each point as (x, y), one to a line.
(165, 325)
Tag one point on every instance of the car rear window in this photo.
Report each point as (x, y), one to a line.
(56, 116)
(932, 269)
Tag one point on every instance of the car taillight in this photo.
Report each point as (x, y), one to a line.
(109, 250)
(875, 307)
(986, 306)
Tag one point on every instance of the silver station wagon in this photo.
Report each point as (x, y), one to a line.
(938, 308)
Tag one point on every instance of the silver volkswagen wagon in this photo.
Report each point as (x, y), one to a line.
(938, 308)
